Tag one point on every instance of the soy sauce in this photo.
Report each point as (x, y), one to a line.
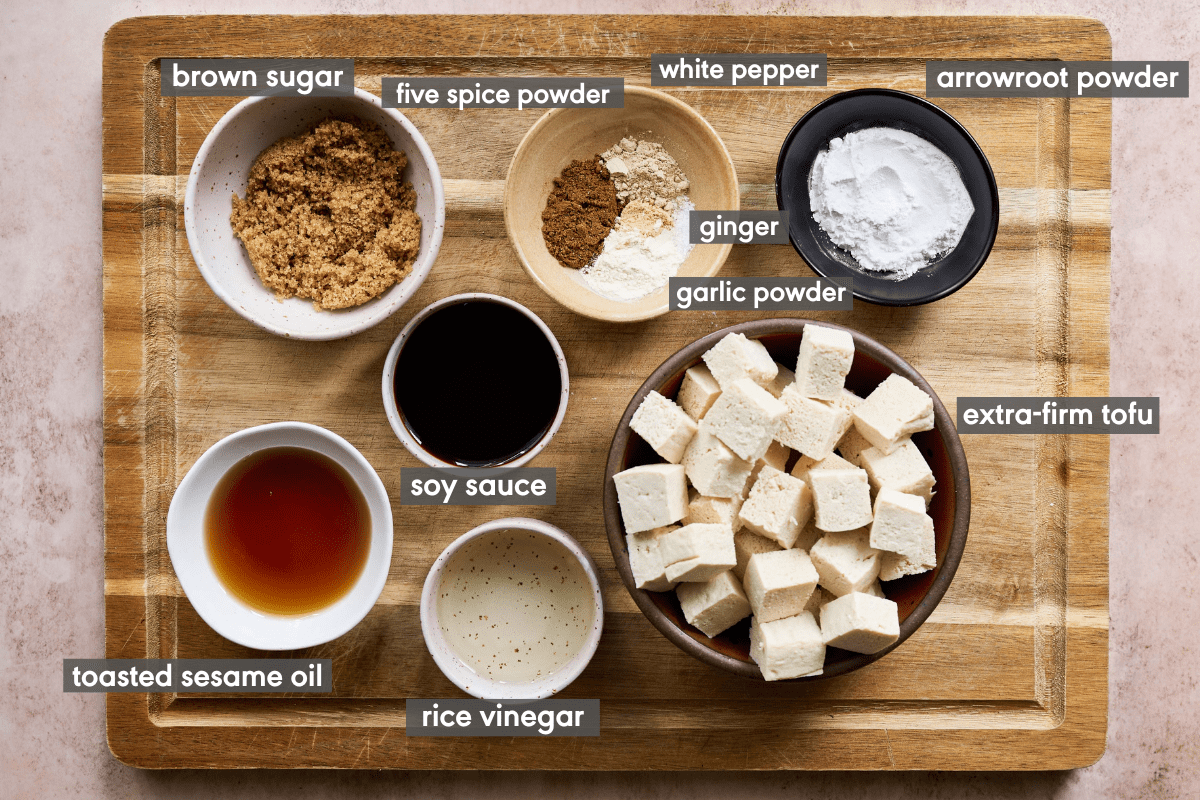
(288, 530)
(477, 383)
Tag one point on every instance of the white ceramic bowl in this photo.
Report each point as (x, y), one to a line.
(389, 375)
(222, 168)
(468, 679)
(215, 604)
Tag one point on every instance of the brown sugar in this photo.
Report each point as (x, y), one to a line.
(328, 216)
(580, 212)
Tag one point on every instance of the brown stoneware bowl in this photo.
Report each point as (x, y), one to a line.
(916, 595)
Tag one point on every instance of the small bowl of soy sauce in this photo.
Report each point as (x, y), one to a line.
(475, 380)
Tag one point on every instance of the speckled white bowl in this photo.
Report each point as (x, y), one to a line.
(216, 605)
(222, 168)
(468, 679)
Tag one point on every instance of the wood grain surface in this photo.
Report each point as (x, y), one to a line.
(1010, 672)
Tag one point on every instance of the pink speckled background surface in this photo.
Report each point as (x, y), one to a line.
(51, 593)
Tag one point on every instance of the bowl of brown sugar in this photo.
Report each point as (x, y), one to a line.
(314, 218)
(596, 203)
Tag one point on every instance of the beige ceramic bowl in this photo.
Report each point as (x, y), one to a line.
(567, 134)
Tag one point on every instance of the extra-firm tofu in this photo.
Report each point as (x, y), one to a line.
(817, 601)
(779, 583)
(811, 426)
(841, 499)
(904, 470)
(860, 623)
(895, 410)
(776, 456)
(783, 378)
(778, 506)
(651, 496)
(824, 361)
(746, 418)
(893, 566)
(747, 543)
(665, 426)
(807, 463)
(846, 561)
(851, 446)
(698, 391)
(716, 509)
(697, 552)
(715, 604)
(902, 526)
(713, 468)
(646, 560)
(787, 648)
(735, 357)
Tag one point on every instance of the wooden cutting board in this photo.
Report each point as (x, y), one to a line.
(1010, 672)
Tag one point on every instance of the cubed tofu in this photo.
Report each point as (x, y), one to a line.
(716, 509)
(851, 446)
(845, 561)
(901, 526)
(875, 589)
(697, 552)
(787, 648)
(713, 468)
(811, 426)
(895, 410)
(779, 583)
(665, 426)
(746, 418)
(646, 560)
(651, 496)
(841, 498)
(714, 605)
(860, 623)
(698, 391)
(783, 378)
(824, 361)
(893, 566)
(735, 357)
(747, 543)
(848, 400)
(904, 469)
(809, 536)
(831, 461)
(816, 601)
(778, 506)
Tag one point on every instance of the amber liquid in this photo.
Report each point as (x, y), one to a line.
(287, 530)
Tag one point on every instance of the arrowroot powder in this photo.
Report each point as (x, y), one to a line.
(891, 199)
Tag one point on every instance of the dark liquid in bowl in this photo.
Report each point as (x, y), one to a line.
(477, 383)
(288, 530)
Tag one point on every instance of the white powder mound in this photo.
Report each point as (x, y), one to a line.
(890, 198)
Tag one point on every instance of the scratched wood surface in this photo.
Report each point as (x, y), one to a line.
(1010, 672)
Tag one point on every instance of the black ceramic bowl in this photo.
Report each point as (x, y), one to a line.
(885, 108)
(916, 595)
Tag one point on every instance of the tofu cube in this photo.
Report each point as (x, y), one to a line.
(779, 583)
(845, 561)
(715, 605)
(811, 426)
(778, 506)
(809, 536)
(697, 552)
(848, 400)
(783, 378)
(824, 362)
(902, 526)
(716, 509)
(745, 417)
(893, 566)
(713, 468)
(860, 623)
(787, 648)
(817, 601)
(698, 391)
(651, 496)
(747, 543)
(807, 463)
(852, 445)
(875, 589)
(895, 410)
(665, 426)
(646, 560)
(904, 470)
(735, 357)
(841, 499)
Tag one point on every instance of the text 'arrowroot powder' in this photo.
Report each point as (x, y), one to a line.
(891, 199)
